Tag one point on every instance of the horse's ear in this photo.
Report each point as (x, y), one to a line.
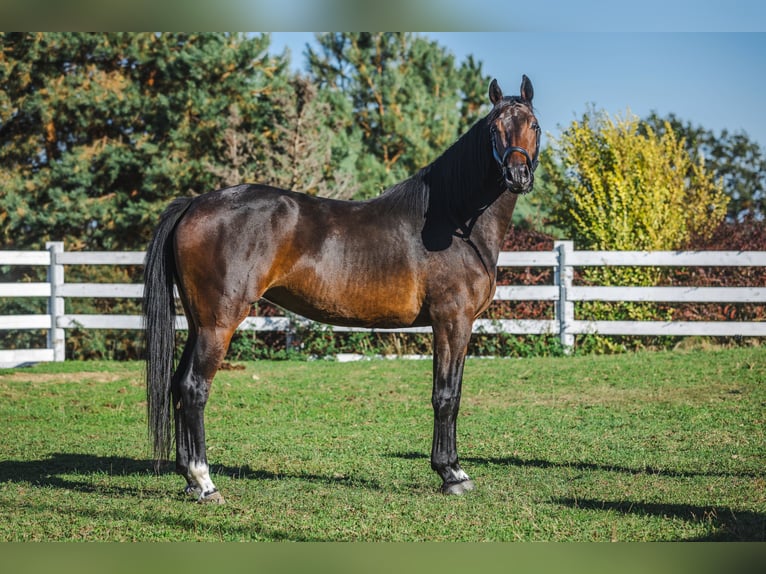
(527, 91)
(495, 93)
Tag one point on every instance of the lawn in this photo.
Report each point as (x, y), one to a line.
(633, 447)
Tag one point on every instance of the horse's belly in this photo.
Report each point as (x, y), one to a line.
(382, 306)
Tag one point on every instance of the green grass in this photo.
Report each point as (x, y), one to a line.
(646, 446)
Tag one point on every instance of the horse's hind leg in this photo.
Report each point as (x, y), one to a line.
(183, 445)
(203, 355)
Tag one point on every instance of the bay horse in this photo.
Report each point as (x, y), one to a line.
(423, 253)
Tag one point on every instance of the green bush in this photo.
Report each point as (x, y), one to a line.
(621, 189)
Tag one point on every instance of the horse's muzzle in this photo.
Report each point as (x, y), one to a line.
(518, 178)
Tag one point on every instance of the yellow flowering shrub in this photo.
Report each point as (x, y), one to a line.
(622, 188)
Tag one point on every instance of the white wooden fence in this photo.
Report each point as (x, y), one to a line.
(563, 259)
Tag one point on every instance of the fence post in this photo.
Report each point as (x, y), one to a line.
(562, 276)
(56, 335)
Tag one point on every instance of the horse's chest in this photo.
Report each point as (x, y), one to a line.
(467, 282)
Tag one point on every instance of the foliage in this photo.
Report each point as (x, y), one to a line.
(403, 99)
(99, 131)
(621, 186)
(649, 446)
(623, 190)
(748, 234)
(301, 152)
(731, 157)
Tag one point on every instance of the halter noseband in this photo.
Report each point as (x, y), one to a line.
(531, 163)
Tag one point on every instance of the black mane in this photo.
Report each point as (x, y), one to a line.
(451, 182)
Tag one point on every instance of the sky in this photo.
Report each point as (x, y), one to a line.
(716, 80)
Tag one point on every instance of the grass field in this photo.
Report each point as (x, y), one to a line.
(648, 446)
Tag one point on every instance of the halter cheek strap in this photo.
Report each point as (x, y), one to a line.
(531, 163)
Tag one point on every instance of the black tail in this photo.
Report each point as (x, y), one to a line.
(159, 325)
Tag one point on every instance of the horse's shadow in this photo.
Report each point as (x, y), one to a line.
(585, 466)
(589, 466)
(61, 470)
(77, 473)
(728, 524)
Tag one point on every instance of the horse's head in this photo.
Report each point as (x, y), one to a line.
(514, 136)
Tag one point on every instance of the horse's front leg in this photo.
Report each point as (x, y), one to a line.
(450, 347)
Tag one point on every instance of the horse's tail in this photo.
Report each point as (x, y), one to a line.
(159, 327)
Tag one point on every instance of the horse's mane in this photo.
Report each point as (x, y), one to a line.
(452, 180)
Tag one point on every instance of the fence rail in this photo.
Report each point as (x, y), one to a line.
(562, 293)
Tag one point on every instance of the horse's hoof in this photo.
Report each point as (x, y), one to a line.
(458, 487)
(214, 497)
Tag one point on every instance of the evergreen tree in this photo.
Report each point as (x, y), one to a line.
(303, 152)
(99, 131)
(405, 99)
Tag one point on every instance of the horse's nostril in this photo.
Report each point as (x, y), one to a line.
(521, 172)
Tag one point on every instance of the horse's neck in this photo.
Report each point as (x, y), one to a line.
(492, 225)
(465, 198)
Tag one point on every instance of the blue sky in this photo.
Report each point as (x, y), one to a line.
(716, 80)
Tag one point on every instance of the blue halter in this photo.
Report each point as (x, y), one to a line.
(531, 163)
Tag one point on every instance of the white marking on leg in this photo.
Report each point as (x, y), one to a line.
(200, 473)
(461, 475)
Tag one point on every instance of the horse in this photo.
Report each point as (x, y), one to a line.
(423, 253)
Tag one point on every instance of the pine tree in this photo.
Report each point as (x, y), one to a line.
(405, 99)
(99, 131)
(300, 151)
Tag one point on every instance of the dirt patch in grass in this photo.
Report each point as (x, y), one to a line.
(63, 378)
(604, 394)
